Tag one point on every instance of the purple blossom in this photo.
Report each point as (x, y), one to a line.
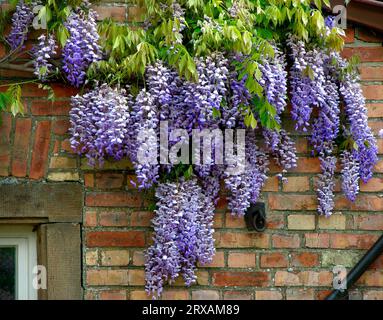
(81, 48)
(21, 21)
(350, 175)
(44, 51)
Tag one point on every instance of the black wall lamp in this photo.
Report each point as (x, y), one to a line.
(255, 217)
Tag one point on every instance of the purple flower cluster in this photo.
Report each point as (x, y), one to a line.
(21, 21)
(350, 175)
(183, 237)
(100, 123)
(43, 52)
(81, 48)
(355, 108)
(326, 184)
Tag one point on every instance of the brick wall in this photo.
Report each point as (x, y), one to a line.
(292, 259)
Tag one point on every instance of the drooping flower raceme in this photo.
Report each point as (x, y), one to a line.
(350, 175)
(100, 123)
(356, 111)
(183, 235)
(43, 52)
(81, 48)
(21, 21)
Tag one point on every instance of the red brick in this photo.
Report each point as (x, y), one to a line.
(234, 222)
(242, 240)
(273, 260)
(109, 180)
(241, 279)
(317, 240)
(136, 14)
(349, 35)
(115, 239)
(109, 199)
(300, 294)
(378, 263)
(89, 180)
(371, 73)
(275, 221)
(352, 241)
(373, 91)
(218, 260)
(50, 108)
(272, 184)
(369, 222)
(5, 134)
(286, 241)
(113, 295)
(62, 90)
(304, 259)
(91, 219)
(61, 127)
(373, 185)
(369, 35)
(21, 147)
(241, 260)
(372, 278)
(366, 54)
(307, 165)
(292, 202)
(40, 150)
(303, 278)
(362, 203)
(141, 218)
(114, 219)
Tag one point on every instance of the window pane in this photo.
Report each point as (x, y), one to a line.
(7, 273)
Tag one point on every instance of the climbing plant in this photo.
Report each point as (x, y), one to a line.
(200, 65)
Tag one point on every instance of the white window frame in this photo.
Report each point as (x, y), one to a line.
(24, 240)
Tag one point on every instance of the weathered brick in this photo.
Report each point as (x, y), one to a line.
(371, 73)
(139, 295)
(63, 176)
(205, 295)
(373, 185)
(117, 13)
(115, 239)
(369, 222)
(335, 221)
(362, 203)
(141, 218)
(115, 257)
(242, 240)
(369, 35)
(375, 110)
(218, 260)
(285, 240)
(297, 184)
(372, 278)
(292, 202)
(107, 277)
(304, 259)
(40, 150)
(273, 260)
(345, 258)
(241, 260)
(113, 295)
(317, 240)
(136, 277)
(303, 278)
(61, 127)
(50, 108)
(366, 54)
(21, 147)
(175, 295)
(352, 241)
(114, 219)
(241, 279)
(138, 258)
(116, 199)
(5, 134)
(301, 222)
(62, 163)
(109, 180)
(268, 295)
(91, 257)
(373, 295)
(237, 295)
(90, 219)
(299, 294)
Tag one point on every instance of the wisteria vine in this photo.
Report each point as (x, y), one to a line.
(233, 79)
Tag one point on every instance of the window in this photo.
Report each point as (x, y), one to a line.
(18, 257)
